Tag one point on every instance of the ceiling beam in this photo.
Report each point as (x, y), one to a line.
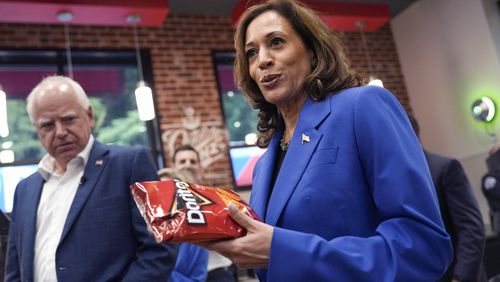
(337, 16)
(85, 12)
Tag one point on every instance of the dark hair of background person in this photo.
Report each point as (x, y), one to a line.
(185, 147)
(331, 70)
(170, 173)
(414, 124)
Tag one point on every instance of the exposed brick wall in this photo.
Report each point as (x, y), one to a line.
(182, 63)
(384, 59)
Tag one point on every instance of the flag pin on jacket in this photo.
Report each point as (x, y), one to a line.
(305, 138)
(98, 162)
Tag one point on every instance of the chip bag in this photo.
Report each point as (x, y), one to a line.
(178, 211)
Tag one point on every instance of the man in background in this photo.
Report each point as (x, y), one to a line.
(75, 219)
(461, 216)
(491, 187)
(188, 159)
(220, 268)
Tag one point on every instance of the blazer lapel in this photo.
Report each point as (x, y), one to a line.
(262, 182)
(302, 146)
(95, 166)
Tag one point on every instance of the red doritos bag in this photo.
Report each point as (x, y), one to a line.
(178, 211)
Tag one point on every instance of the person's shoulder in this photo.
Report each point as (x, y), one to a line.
(494, 173)
(441, 158)
(366, 99)
(437, 160)
(438, 157)
(360, 92)
(25, 183)
(124, 148)
(121, 151)
(35, 176)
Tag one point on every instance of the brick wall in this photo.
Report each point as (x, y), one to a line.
(384, 59)
(182, 64)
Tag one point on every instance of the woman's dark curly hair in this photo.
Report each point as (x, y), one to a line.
(331, 69)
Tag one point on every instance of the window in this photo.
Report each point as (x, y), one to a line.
(9, 177)
(108, 77)
(240, 119)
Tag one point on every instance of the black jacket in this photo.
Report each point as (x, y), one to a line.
(461, 216)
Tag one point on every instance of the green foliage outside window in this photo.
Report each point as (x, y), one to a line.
(23, 136)
(241, 119)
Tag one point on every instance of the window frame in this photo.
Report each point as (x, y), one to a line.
(221, 57)
(89, 57)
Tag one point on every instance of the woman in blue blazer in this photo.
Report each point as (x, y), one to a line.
(343, 188)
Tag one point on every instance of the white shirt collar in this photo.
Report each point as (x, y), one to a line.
(46, 166)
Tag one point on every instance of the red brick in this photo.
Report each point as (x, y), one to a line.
(182, 64)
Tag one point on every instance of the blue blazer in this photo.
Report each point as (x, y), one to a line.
(354, 199)
(104, 237)
(191, 265)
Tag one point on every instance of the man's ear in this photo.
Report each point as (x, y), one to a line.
(90, 114)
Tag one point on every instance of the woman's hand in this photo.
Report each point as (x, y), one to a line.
(250, 251)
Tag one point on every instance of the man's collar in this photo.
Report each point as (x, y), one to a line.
(46, 166)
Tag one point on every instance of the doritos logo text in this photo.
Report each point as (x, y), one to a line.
(194, 214)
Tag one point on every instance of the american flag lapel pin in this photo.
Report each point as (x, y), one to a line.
(305, 138)
(99, 162)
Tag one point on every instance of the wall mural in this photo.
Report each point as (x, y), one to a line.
(209, 138)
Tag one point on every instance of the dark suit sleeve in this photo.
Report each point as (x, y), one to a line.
(467, 221)
(154, 261)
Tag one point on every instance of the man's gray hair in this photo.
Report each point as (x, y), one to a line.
(53, 82)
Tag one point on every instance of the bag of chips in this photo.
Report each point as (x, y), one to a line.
(178, 211)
